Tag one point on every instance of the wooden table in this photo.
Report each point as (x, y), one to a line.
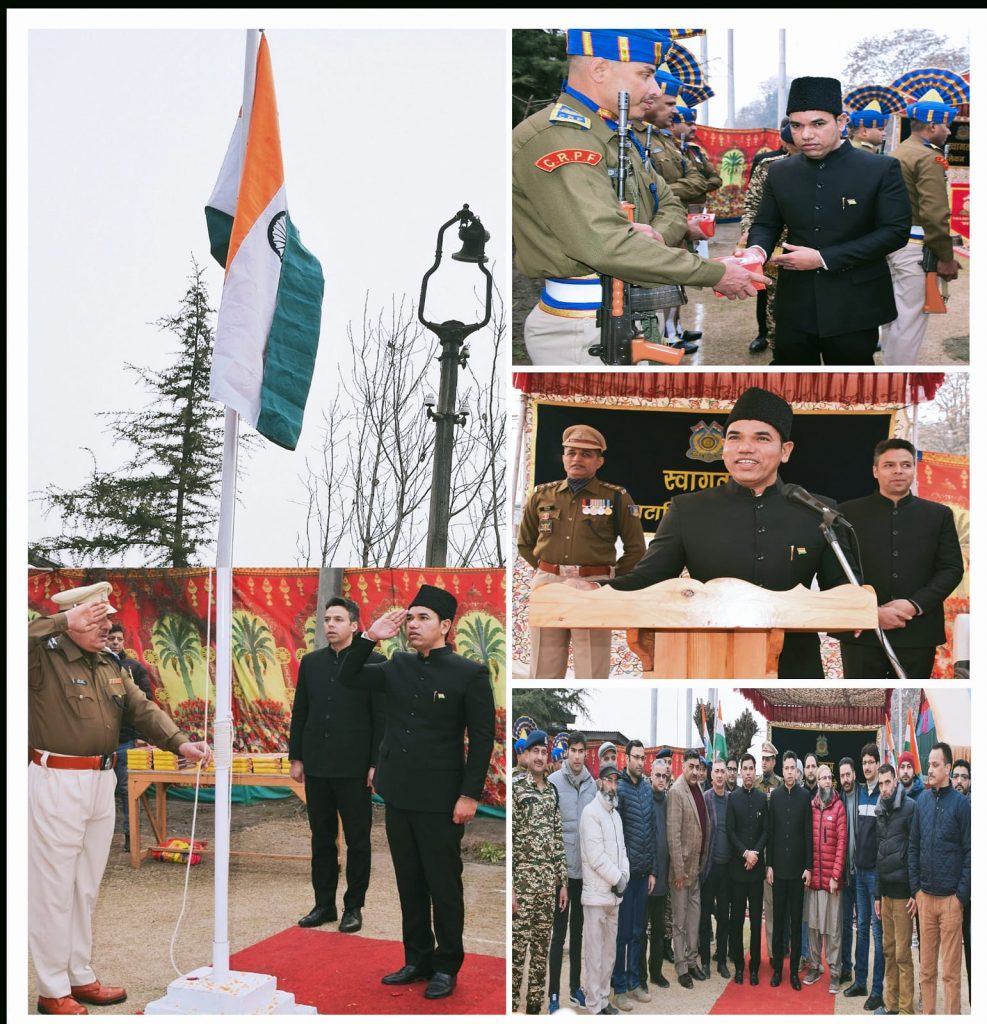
(139, 781)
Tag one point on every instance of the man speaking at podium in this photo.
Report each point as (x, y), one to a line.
(747, 528)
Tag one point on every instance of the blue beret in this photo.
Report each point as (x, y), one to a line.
(536, 739)
(931, 113)
(643, 45)
(519, 745)
(868, 119)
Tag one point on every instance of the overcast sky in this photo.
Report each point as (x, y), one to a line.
(385, 134)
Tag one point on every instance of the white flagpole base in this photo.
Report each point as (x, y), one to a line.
(241, 992)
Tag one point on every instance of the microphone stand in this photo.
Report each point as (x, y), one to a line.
(830, 534)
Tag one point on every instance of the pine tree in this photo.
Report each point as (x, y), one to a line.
(160, 507)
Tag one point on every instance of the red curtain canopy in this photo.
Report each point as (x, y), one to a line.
(844, 388)
(833, 706)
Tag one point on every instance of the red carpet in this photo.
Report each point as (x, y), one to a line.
(341, 974)
(784, 999)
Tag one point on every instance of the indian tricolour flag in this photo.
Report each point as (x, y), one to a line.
(269, 317)
(719, 734)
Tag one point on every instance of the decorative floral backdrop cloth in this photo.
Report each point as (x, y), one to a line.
(169, 623)
(731, 151)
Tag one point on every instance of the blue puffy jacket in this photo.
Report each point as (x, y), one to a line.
(939, 847)
(637, 812)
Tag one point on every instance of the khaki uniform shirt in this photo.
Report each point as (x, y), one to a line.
(77, 699)
(869, 146)
(567, 221)
(556, 526)
(766, 783)
(924, 171)
(706, 168)
(682, 173)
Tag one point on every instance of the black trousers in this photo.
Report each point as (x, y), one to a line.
(653, 952)
(714, 898)
(559, 926)
(747, 896)
(863, 661)
(789, 894)
(327, 800)
(797, 348)
(425, 850)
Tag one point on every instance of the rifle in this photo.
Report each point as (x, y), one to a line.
(935, 301)
(628, 309)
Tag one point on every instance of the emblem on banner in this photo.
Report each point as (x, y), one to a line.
(822, 747)
(706, 442)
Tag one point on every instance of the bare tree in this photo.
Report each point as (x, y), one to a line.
(885, 58)
(944, 426)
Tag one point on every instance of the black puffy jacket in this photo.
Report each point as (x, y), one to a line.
(893, 830)
(637, 812)
(939, 845)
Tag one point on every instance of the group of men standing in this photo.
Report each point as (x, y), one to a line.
(748, 528)
(615, 864)
(850, 217)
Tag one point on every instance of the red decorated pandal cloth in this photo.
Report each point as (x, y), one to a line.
(731, 151)
(946, 479)
(167, 618)
(959, 216)
(820, 705)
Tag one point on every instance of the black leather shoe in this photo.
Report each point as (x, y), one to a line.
(738, 978)
(661, 981)
(796, 984)
(855, 990)
(352, 920)
(407, 974)
(759, 344)
(126, 842)
(690, 335)
(685, 980)
(697, 973)
(317, 916)
(755, 981)
(846, 976)
(442, 985)
(776, 979)
(705, 968)
(669, 955)
(686, 347)
(723, 971)
(873, 1002)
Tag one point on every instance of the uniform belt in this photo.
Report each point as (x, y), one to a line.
(96, 763)
(572, 296)
(575, 570)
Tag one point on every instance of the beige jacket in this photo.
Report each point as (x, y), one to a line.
(686, 849)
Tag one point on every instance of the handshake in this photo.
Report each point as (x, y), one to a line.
(618, 889)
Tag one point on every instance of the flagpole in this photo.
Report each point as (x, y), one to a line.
(224, 619)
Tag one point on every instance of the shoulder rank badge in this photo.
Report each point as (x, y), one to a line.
(635, 511)
(706, 442)
(561, 157)
(561, 114)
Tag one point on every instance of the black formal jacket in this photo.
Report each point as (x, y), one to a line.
(747, 829)
(909, 550)
(789, 846)
(766, 540)
(335, 732)
(853, 207)
(139, 675)
(429, 703)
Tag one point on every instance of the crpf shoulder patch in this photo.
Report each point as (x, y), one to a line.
(561, 157)
(562, 114)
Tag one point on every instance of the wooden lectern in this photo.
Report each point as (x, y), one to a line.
(722, 629)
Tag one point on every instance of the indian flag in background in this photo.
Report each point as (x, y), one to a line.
(911, 742)
(925, 731)
(270, 313)
(890, 757)
(719, 734)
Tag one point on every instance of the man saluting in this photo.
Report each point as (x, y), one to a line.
(432, 696)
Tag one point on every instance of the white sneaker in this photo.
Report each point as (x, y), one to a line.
(641, 995)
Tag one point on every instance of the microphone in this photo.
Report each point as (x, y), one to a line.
(800, 496)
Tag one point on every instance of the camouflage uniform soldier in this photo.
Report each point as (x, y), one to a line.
(539, 872)
(752, 200)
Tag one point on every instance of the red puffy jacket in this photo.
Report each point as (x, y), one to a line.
(828, 842)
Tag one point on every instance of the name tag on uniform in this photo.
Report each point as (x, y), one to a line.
(79, 682)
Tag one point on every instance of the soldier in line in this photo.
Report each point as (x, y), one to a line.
(570, 527)
(568, 226)
(539, 873)
(867, 130)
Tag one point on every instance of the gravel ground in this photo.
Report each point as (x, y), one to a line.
(137, 910)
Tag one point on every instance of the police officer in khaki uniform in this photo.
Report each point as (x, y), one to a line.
(568, 226)
(923, 166)
(867, 129)
(78, 696)
(570, 528)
